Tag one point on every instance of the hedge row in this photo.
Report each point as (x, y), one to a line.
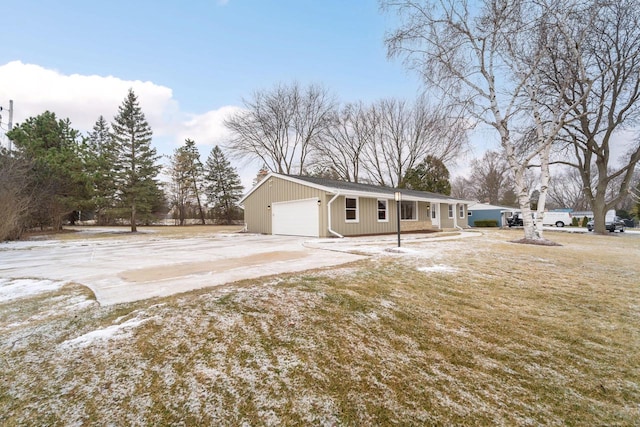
(485, 223)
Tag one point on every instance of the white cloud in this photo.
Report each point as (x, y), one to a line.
(208, 129)
(35, 89)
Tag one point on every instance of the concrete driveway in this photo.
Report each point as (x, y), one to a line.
(136, 267)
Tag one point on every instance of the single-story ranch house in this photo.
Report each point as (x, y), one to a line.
(319, 207)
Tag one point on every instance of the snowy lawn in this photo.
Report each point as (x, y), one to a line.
(474, 331)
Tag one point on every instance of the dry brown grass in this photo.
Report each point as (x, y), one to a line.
(167, 231)
(506, 334)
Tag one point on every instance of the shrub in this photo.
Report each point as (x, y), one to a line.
(585, 220)
(574, 221)
(15, 199)
(485, 223)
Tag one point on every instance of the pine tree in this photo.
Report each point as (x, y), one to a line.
(186, 172)
(224, 188)
(429, 175)
(136, 167)
(262, 174)
(101, 158)
(58, 182)
(196, 171)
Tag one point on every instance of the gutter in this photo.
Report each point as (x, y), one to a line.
(329, 216)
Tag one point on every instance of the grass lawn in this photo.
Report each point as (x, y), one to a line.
(477, 331)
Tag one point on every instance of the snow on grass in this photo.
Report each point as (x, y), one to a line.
(439, 268)
(11, 289)
(117, 331)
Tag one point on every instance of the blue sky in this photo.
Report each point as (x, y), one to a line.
(211, 53)
(191, 63)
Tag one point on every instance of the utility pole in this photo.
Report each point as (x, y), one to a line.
(10, 120)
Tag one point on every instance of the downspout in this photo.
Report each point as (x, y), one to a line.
(329, 217)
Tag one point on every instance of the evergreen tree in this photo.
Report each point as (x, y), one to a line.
(429, 175)
(262, 174)
(224, 189)
(186, 172)
(196, 171)
(135, 165)
(101, 160)
(58, 181)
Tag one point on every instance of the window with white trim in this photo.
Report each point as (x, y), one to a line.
(408, 210)
(461, 210)
(351, 209)
(450, 211)
(434, 211)
(382, 211)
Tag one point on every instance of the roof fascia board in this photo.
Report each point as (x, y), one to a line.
(286, 178)
(347, 192)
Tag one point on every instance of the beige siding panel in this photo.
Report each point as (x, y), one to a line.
(368, 218)
(445, 221)
(448, 223)
(257, 207)
(257, 212)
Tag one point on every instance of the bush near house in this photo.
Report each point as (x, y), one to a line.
(485, 223)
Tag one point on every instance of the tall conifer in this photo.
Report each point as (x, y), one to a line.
(224, 188)
(101, 161)
(136, 161)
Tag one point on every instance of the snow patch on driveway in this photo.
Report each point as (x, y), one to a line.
(134, 267)
(11, 289)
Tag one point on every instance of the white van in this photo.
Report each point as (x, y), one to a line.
(559, 219)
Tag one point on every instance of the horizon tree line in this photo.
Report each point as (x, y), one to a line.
(55, 175)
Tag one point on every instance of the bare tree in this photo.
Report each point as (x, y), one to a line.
(400, 135)
(279, 126)
(605, 96)
(341, 149)
(490, 178)
(566, 190)
(489, 62)
(15, 197)
(461, 188)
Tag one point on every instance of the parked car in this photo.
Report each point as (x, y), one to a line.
(515, 220)
(611, 224)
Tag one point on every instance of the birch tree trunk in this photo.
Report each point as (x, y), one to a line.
(489, 62)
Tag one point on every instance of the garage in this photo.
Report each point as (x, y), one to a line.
(295, 218)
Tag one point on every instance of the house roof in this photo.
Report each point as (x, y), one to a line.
(358, 189)
(487, 207)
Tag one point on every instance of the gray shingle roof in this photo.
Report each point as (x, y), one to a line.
(367, 188)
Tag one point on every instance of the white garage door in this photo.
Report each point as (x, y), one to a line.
(295, 218)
